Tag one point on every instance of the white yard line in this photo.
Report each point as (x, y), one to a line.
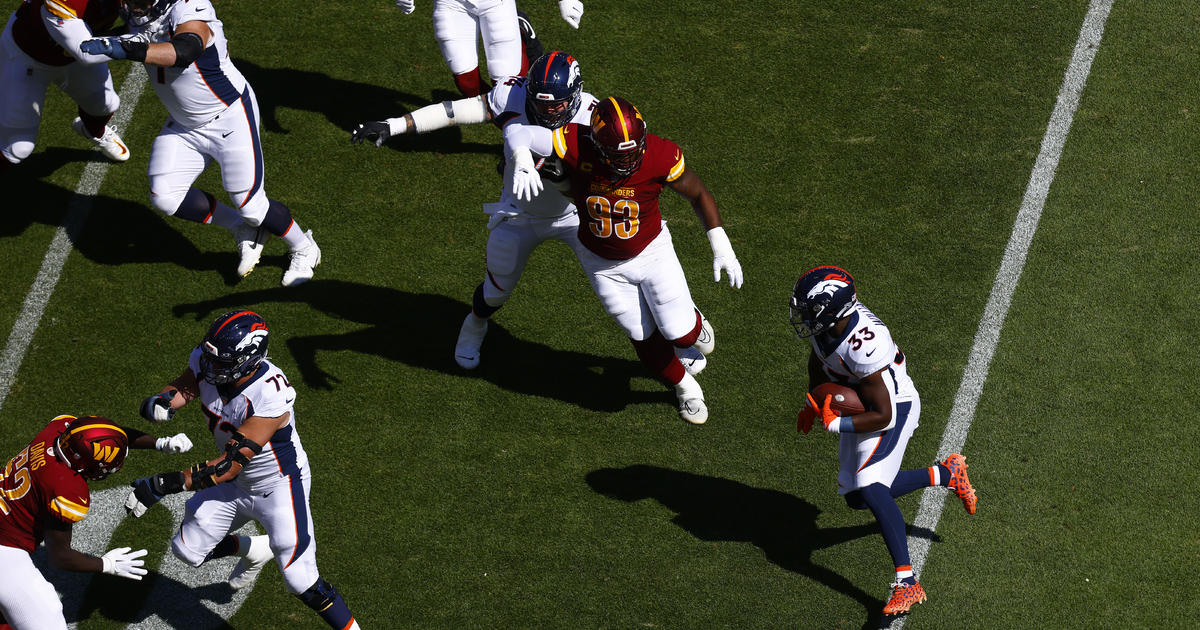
(80, 205)
(988, 335)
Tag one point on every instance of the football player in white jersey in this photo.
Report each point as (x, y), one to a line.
(852, 347)
(213, 115)
(262, 474)
(509, 41)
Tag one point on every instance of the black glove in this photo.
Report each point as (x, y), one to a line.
(157, 408)
(376, 131)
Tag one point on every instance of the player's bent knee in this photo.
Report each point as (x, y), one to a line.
(167, 203)
(185, 553)
(253, 211)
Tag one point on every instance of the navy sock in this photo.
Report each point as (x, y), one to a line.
(278, 219)
(197, 206)
(226, 547)
(891, 521)
(482, 309)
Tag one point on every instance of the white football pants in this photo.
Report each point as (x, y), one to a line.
(179, 155)
(282, 510)
(458, 24)
(511, 243)
(26, 598)
(645, 292)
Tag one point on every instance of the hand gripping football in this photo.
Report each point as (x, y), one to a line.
(845, 401)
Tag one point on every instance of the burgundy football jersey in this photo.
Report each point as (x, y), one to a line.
(617, 221)
(30, 33)
(36, 488)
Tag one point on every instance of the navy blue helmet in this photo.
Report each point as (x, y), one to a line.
(143, 12)
(553, 89)
(822, 296)
(235, 345)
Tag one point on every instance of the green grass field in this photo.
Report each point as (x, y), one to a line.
(556, 487)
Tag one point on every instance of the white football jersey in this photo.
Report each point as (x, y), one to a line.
(864, 348)
(507, 104)
(268, 394)
(198, 93)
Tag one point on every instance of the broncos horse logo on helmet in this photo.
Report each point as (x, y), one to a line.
(234, 346)
(93, 447)
(619, 134)
(552, 89)
(821, 297)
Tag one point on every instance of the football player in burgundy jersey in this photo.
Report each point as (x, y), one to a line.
(262, 474)
(39, 47)
(852, 347)
(617, 171)
(43, 493)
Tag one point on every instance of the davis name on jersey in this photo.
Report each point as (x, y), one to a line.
(267, 394)
(865, 347)
(37, 489)
(506, 102)
(200, 92)
(617, 220)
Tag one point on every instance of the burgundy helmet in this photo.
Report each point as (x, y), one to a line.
(619, 133)
(93, 447)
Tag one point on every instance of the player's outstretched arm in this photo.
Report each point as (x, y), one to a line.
(689, 185)
(188, 43)
(121, 562)
(464, 111)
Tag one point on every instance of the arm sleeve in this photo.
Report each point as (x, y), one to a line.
(537, 139)
(70, 33)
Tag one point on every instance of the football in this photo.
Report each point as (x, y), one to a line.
(845, 400)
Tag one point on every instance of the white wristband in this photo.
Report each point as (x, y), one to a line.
(719, 241)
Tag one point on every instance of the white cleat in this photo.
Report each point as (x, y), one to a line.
(706, 341)
(247, 568)
(304, 261)
(110, 144)
(470, 339)
(693, 410)
(250, 243)
(692, 359)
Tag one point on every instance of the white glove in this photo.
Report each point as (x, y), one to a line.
(723, 257)
(121, 563)
(407, 6)
(527, 182)
(178, 443)
(572, 11)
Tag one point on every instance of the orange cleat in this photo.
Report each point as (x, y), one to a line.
(903, 597)
(960, 483)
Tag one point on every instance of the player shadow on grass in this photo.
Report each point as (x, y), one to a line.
(420, 329)
(126, 601)
(114, 231)
(783, 526)
(348, 103)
